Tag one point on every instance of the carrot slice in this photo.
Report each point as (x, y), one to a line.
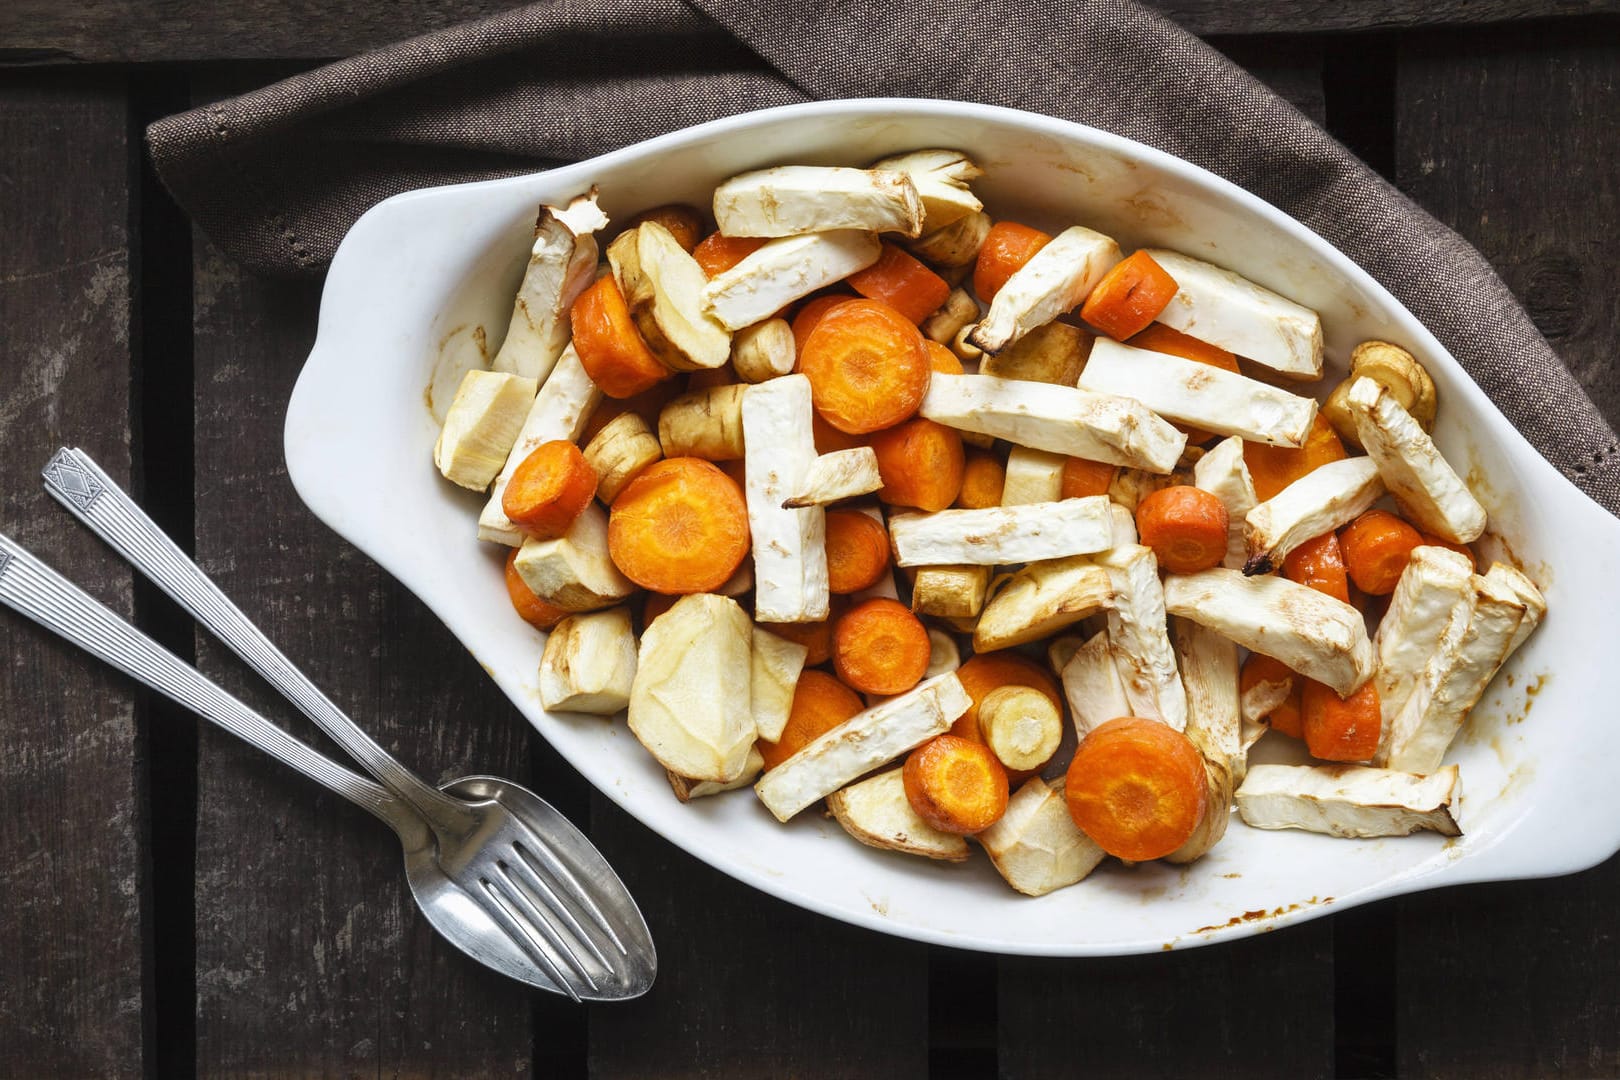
(1319, 563)
(1006, 248)
(1377, 547)
(983, 478)
(1259, 668)
(1275, 467)
(955, 785)
(685, 223)
(921, 464)
(903, 283)
(549, 489)
(987, 672)
(857, 551)
(810, 316)
(530, 608)
(611, 349)
(829, 439)
(1082, 478)
(867, 366)
(1431, 540)
(716, 254)
(942, 359)
(817, 637)
(1137, 787)
(1341, 729)
(1185, 526)
(880, 647)
(1129, 297)
(820, 703)
(681, 526)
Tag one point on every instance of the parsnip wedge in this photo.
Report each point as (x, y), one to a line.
(562, 263)
(1528, 594)
(943, 655)
(704, 423)
(686, 789)
(791, 200)
(997, 535)
(1310, 632)
(1033, 476)
(1054, 281)
(1021, 726)
(481, 427)
(1036, 846)
(1138, 630)
(574, 572)
(1091, 683)
(956, 245)
(565, 401)
(690, 704)
(1219, 307)
(1209, 670)
(877, 813)
(1124, 533)
(623, 447)
(1350, 801)
(1322, 500)
(776, 666)
(1217, 811)
(842, 474)
(941, 178)
(589, 663)
(663, 287)
(1425, 485)
(1435, 590)
(786, 270)
(1055, 353)
(951, 591)
(763, 351)
(790, 545)
(1058, 419)
(1041, 599)
(960, 310)
(1202, 395)
(1223, 473)
(862, 743)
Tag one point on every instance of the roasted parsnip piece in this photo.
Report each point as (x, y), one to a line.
(955, 245)
(1209, 672)
(877, 813)
(1217, 812)
(1091, 683)
(1055, 353)
(1079, 423)
(1393, 368)
(998, 535)
(960, 310)
(574, 572)
(1219, 307)
(1223, 473)
(1350, 800)
(790, 545)
(1054, 281)
(943, 655)
(951, 591)
(1124, 532)
(1033, 476)
(1322, 500)
(663, 286)
(562, 263)
(791, 200)
(1041, 599)
(1021, 726)
(1310, 632)
(686, 789)
(481, 426)
(941, 178)
(776, 665)
(763, 351)
(786, 270)
(1036, 846)
(862, 743)
(589, 663)
(1436, 589)
(623, 447)
(1525, 590)
(1202, 395)
(842, 474)
(1138, 631)
(690, 704)
(1428, 489)
(704, 423)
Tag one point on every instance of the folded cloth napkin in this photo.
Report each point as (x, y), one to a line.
(276, 176)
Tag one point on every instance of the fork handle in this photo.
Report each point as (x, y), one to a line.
(78, 483)
(33, 589)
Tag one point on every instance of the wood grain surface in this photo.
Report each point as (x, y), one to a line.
(72, 1001)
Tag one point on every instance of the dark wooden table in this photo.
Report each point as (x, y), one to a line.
(170, 902)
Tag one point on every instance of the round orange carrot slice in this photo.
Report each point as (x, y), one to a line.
(867, 366)
(857, 551)
(681, 526)
(1137, 787)
(903, 283)
(920, 463)
(1006, 248)
(820, 703)
(1319, 563)
(549, 489)
(1341, 729)
(1082, 477)
(1185, 526)
(880, 647)
(1129, 297)
(1377, 547)
(983, 479)
(956, 785)
(611, 349)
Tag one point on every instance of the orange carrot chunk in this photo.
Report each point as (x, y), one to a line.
(549, 489)
(983, 478)
(716, 254)
(681, 526)
(1377, 546)
(685, 223)
(903, 283)
(829, 439)
(942, 359)
(820, 703)
(1129, 297)
(611, 349)
(1185, 526)
(1006, 248)
(867, 366)
(1137, 787)
(1082, 478)
(921, 464)
(530, 608)
(1259, 668)
(880, 647)
(955, 785)
(1275, 467)
(857, 551)
(810, 316)
(1341, 729)
(1319, 563)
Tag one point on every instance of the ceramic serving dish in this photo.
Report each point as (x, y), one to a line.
(423, 277)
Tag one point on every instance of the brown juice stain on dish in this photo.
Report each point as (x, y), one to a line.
(1263, 915)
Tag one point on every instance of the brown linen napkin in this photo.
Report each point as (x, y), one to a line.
(276, 176)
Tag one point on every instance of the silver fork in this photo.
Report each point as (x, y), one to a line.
(496, 846)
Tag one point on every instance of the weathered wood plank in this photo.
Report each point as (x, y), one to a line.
(71, 997)
(1512, 141)
(311, 957)
(749, 985)
(125, 31)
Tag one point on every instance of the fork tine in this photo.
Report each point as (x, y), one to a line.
(500, 907)
(537, 918)
(529, 877)
(571, 885)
